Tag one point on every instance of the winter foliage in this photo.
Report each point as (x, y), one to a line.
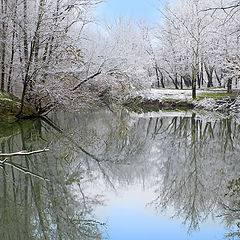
(52, 53)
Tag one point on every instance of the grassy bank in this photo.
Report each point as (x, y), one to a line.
(10, 107)
(168, 99)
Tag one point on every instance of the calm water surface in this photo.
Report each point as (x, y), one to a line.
(120, 176)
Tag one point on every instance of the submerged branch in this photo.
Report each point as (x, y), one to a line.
(26, 171)
(19, 167)
(23, 153)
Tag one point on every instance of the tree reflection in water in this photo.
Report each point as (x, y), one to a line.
(191, 161)
(34, 209)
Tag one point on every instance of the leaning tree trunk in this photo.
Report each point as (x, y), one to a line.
(219, 79)
(159, 77)
(27, 78)
(209, 71)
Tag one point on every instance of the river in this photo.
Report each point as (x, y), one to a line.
(120, 175)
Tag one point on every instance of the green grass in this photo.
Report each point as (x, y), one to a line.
(214, 95)
(4, 95)
(170, 99)
(171, 89)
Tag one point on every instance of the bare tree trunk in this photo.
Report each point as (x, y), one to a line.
(200, 76)
(27, 79)
(25, 35)
(11, 64)
(13, 51)
(218, 78)
(229, 85)
(162, 78)
(181, 82)
(3, 43)
(194, 83)
(209, 71)
(159, 78)
(199, 80)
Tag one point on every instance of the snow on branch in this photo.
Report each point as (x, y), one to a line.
(22, 153)
(85, 80)
(223, 7)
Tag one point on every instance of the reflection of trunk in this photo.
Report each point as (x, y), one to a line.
(26, 206)
(208, 131)
(158, 126)
(193, 214)
(36, 193)
(149, 126)
(36, 190)
(193, 128)
(26, 189)
(5, 216)
(229, 136)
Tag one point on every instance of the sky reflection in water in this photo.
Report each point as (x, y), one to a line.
(130, 216)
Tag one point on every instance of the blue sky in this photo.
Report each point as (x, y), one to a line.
(139, 9)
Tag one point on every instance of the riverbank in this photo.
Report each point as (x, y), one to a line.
(171, 99)
(10, 107)
(216, 99)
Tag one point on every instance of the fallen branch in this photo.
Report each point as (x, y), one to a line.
(23, 153)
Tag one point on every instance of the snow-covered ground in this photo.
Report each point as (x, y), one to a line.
(177, 94)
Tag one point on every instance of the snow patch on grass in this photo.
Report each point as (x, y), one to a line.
(164, 94)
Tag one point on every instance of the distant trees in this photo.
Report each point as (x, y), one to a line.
(197, 41)
(120, 54)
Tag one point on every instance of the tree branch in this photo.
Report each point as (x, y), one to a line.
(222, 8)
(85, 80)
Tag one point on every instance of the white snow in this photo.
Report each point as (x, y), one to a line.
(177, 94)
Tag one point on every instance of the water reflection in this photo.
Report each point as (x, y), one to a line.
(191, 162)
(34, 209)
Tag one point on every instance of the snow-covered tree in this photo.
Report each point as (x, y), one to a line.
(198, 40)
